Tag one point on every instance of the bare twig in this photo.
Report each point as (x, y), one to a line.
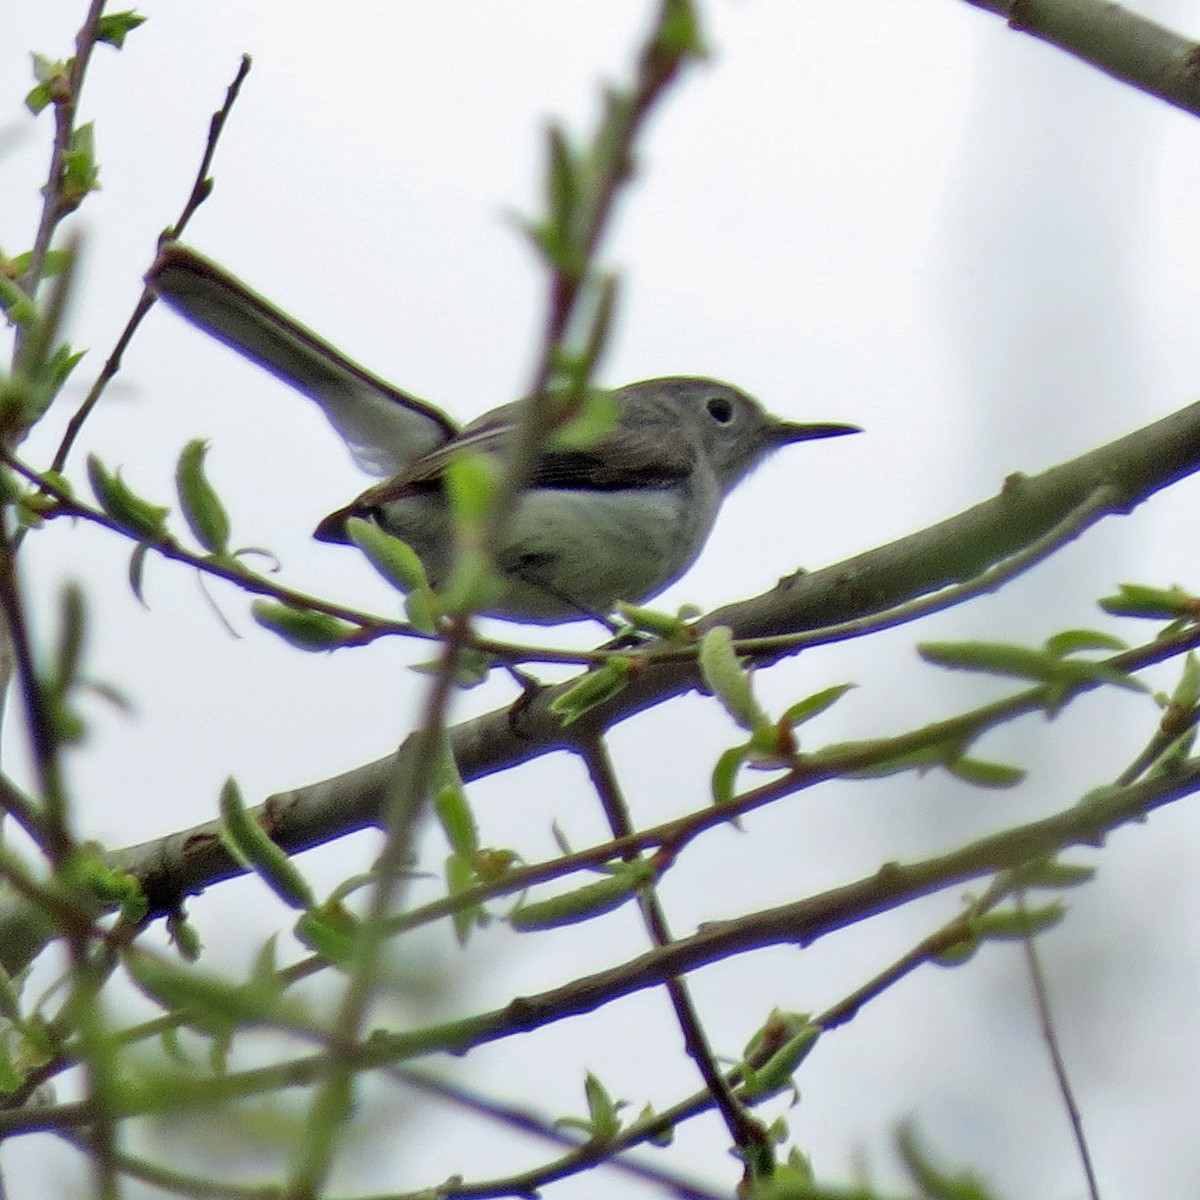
(1041, 999)
(747, 1132)
(581, 1156)
(199, 193)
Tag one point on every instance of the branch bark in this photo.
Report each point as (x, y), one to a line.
(1132, 469)
(799, 923)
(1122, 44)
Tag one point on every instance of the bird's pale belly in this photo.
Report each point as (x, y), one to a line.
(571, 553)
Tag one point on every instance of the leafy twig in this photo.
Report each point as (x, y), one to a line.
(55, 205)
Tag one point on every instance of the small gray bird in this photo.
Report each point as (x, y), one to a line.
(619, 519)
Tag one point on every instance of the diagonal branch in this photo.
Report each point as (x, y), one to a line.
(1130, 470)
(799, 923)
(1119, 42)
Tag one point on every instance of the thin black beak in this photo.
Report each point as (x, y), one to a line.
(786, 432)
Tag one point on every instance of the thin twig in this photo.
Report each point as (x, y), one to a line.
(58, 845)
(54, 838)
(748, 1134)
(1102, 501)
(612, 157)
(201, 189)
(1041, 999)
(582, 1156)
(54, 207)
(228, 568)
(412, 782)
(802, 922)
(191, 860)
(199, 1187)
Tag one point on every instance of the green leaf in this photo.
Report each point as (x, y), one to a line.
(53, 82)
(602, 1110)
(548, 240)
(67, 727)
(80, 174)
(679, 32)
(394, 559)
(10, 997)
(562, 179)
(53, 372)
(814, 705)
(471, 481)
(593, 900)
(1072, 641)
(672, 627)
(594, 316)
(71, 638)
(597, 415)
(724, 774)
(184, 936)
(16, 304)
(10, 1076)
(457, 820)
(984, 774)
(115, 27)
(330, 931)
(1051, 873)
(493, 863)
(213, 1005)
(774, 1053)
(958, 953)
(999, 658)
(664, 1137)
(422, 610)
(471, 667)
(1016, 924)
(1174, 756)
(461, 874)
(475, 585)
(202, 507)
(87, 871)
(123, 505)
(302, 627)
(728, 680)
(935, 1182)
(137, 571)
(779, 1027)
(921, 760)
(54, 262)
(593, 689)
(1138, 600)
(1187, 691)
(248, 842)
(786, 1182)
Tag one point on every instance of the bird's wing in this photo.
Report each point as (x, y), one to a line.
(649, 456)
(385, 428)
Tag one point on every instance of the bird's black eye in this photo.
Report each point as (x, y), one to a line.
(720, 409)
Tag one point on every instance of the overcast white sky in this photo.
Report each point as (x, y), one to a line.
(899, 214)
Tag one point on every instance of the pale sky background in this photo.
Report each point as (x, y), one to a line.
(899, 214)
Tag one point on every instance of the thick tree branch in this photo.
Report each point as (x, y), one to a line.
(799, 923)
(1132, 468)
(1121, 43)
